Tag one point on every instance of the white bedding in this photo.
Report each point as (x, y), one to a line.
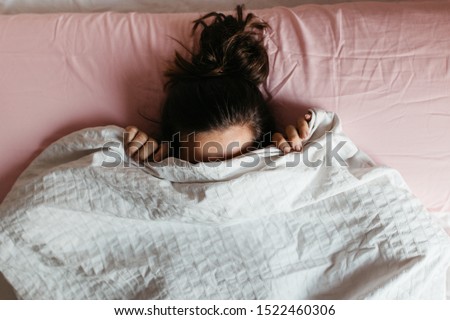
(253, 227)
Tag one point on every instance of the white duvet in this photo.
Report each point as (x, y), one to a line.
(82, 222)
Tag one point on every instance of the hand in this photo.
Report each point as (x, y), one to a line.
(295, 135)
(139, 146)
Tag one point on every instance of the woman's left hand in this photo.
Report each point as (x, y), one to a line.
(294, 135)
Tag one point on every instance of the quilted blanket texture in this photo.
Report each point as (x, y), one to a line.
(85, 222)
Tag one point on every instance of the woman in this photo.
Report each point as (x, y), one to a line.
(214, 109)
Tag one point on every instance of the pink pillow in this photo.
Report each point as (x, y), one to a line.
(383, 67)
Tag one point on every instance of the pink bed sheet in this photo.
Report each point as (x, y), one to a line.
(383, 67)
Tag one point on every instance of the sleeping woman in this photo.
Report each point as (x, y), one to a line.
(214, 108)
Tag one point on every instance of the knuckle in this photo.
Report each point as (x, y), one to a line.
(134, 146)
(301, 120)
(289, 128)
(142, 136)
(277, 136)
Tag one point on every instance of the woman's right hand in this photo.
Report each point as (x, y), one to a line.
(139, 146)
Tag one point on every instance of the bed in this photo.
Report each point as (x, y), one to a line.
(382, 67)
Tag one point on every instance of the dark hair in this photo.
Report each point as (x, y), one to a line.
(218, 86)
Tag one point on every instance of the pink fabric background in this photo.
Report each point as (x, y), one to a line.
(383, 67)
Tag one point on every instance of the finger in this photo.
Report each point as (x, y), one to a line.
(308, 116)
(137, 143)
(303, 128)
(147, 149)
(162, 153)
(293, 138)
(130, 133)
(281, 143)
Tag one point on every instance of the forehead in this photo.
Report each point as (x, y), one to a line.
(218, 144)
(225, 137)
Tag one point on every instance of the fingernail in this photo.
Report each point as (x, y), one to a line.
(286, 149)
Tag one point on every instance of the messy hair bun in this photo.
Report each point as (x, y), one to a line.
(230, 46)
(219, 86)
